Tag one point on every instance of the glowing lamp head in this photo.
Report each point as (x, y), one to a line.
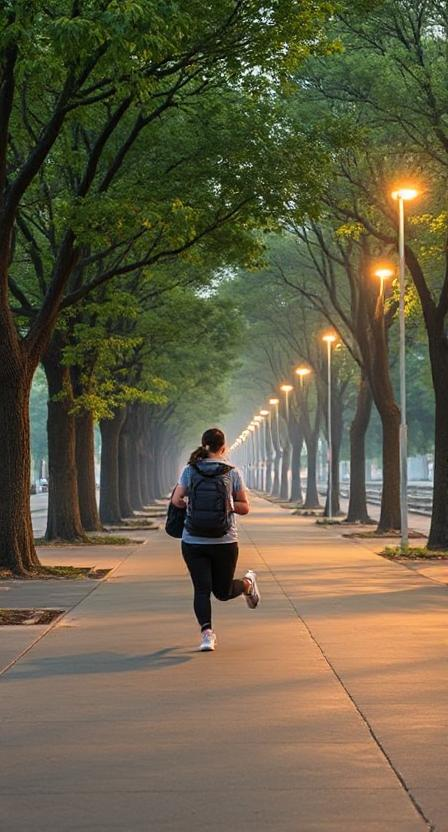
(258, 419)
(286, 388)
(329, 338)
(264, 413)
(251, 427)
(303, 371)
(406, 194)
(273, 401)
(384, 272)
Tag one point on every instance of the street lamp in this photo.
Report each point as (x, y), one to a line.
(286, 388)
(383, 273)
(329, 339)
(302, 373)
(402, 195)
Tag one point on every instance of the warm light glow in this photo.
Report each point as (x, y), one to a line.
(384, 272)
(330, 338)
(252, 427)
(258, 418)
(405, 194)
(286, 388)
(273, 401)
(303, 371)
(264, 412)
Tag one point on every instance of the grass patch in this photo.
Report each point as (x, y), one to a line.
(374, 535)
(325, 521)
(97, 540)
(413, 553)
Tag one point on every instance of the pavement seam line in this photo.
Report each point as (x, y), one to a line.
(57, 621)
(417, 807)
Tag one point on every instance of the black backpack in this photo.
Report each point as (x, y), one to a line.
(209, 502)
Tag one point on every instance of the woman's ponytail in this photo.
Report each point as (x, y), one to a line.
(199, 453)
(212, 440)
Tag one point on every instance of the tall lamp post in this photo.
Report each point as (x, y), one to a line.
(402, 195)
(329, 339)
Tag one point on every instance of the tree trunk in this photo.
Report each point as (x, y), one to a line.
(390, 518)
(438, 535)
(286, 464)
(336, 433)
(85, 466)
(17, 552)
(357, 507)
(312, 493)
(296, 468)
(109, 490)
(124, 474)
(64, 519)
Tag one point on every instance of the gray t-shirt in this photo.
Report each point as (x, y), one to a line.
(237, 485)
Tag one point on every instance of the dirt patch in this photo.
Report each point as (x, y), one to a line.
(10, 618)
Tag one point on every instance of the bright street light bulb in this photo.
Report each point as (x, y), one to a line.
(258, 418)
(330, 338)
(405, 194)
(384, 273)
(303, 371)
(273, 401)
(264, 412)
(251, 427)
(286, 388)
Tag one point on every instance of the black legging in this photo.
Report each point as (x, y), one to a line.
(212, 567)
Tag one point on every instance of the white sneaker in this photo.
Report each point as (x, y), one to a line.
(208, 641)
(253, 597)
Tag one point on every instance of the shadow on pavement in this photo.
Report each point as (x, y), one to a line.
(105, 662)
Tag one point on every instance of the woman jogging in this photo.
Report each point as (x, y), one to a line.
(215, 493)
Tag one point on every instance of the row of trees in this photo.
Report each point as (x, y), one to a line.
(140, 149)
(285, 329)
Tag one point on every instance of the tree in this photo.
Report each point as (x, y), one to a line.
(388, 89)
(63, 70)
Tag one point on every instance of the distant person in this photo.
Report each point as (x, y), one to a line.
(215, 493)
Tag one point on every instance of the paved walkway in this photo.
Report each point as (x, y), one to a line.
(325, 709)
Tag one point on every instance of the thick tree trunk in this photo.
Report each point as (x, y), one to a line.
(312, 493)
(64, 519)
(357, 507)
(337, 428)
(124, 474)
(109, 489)
(438, 535)
(390, 518)
(296, 495)
(17, 552)
(286, 464)
(85, 467)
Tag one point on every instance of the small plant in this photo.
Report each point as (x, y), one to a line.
(414, 553)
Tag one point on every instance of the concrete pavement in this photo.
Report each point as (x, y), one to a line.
(324, 709)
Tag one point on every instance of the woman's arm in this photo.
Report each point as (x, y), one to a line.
(241, 502)
(178, 498)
